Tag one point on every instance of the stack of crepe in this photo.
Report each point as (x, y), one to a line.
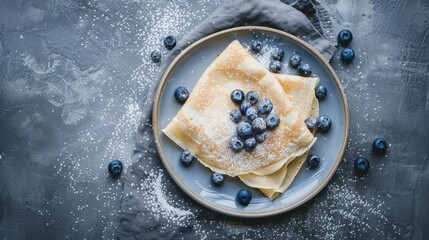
(203, 126)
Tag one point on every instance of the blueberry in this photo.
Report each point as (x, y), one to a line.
(275, 66)
(251, 113)
(170, 42)
(278, 55)
(244, 106)
(295, 60)
(265, 106)
(304, 70)
(379, 146)
(259, 125)
(250, 143)
(115, 167)
(244, 129)
(311, 123)
(261, 137)
(244, 197)
(361, 166)
(323, 123)
(252, 97)
(347, 55)
(237, 96)
(256, 46)
(181, 94)
(235, 115)
(321, 92)
(313, 161)
(217, 179)
(345, 37)
(236, 144)
(156, 56)
(272, 121)
(186, 158)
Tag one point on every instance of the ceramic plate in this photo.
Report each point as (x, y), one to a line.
(188, 67)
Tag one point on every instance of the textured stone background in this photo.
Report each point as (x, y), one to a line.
(72, 74)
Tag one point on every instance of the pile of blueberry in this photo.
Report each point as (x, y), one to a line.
(169, 43)
(344, 38)
(253, 118)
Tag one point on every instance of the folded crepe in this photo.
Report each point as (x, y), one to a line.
(203, 126)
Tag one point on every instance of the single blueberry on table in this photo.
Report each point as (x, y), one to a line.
(321, 92)
(323, 123)
(170, 42)
(243, 107)
(260, 138)
(304, 70)
(345, 37)
(275, 66)
(250, 143)
(313, 161)
(259, 125)
(156, 56)
(272, 121)
(181, 94)
(310, 123)
(244, 197)
(236, 144)
(278, 55)
(379, 146)
(347, 55)
(115, 167)
(237, 96)
(235, 115)
(265, 106)
(252, 97)
(186, 158)
(217, 179)
(256, 46)
(361, 166)
(244, 129)
(251, 113)
(295, 60)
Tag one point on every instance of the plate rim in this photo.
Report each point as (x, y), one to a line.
(209, 204)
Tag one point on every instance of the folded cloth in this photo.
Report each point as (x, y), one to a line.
(146, 213)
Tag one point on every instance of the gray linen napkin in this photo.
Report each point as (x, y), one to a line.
(153, 207)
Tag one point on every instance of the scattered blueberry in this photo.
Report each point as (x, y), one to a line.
(361, 166)
(257, 46)
(304, 70)
(244, 197)
(323, 123)
(311, 123)
(156, 56)
(251, 113)
(181, 94)
(261, 137)
(236, 144)
(250, 143)
(345, 37)
(244, 129)
(313, 161)
(170, 42)
(295, 60)
(235, 115)
(259, 125)
(379, 146)
(265, 106)
(272, 121)
(275, 66)
(217, 179)
(237, 96)
(244, 106)
(278, 55)
(252, 97)
(186, 158)
(321, 92)
(347, 55)
(115, 167)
